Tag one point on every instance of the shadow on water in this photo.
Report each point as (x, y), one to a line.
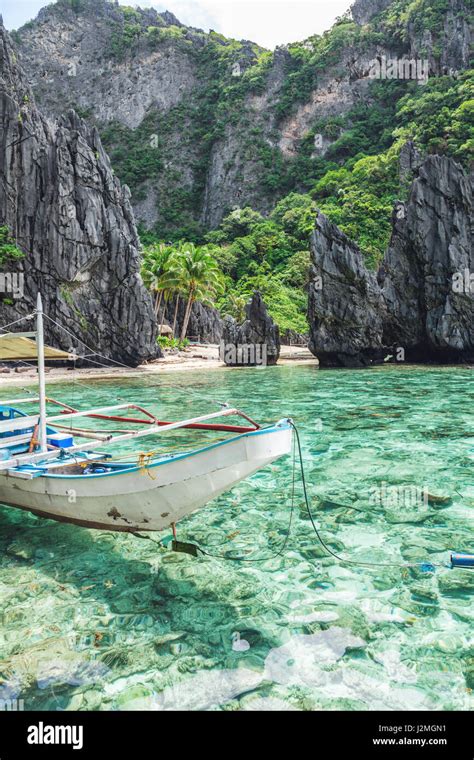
(98, 564)
(90, 609)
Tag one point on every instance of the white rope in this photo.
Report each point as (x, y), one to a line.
(94, 353)
(10, 324)
(223, 404)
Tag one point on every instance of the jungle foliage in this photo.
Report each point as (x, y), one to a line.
(354, 180)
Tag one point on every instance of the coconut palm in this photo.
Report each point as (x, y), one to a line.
(154, 266)
(187, 271)
(200, 278)
(236, 306)
(172, 282)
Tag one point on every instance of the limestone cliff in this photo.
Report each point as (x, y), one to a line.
(72, 218)
(212, 123)
(254, 342)
(420, 306)
(344, 305)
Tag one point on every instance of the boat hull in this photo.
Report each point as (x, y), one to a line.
(149, 498)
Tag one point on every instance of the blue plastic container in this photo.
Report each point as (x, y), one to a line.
(61, 440)
(462, 560)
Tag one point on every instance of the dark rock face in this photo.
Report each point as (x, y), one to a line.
(409, 162)
(293, 338)
(429, 298)
(421, 301)
(456, 47)
(448, 50)
(256, 341)
(73, 220)
(205, 323)
(344, 301)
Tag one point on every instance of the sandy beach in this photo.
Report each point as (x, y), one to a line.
(195, 357)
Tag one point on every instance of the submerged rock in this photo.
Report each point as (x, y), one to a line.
(207, 689)
(456, 582)
(302, 658)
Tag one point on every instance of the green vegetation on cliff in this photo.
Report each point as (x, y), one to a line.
(9, 250)
(355, 184)
(345, 163)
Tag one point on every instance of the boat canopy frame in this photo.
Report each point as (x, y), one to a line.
(152, 429)
(34, 428)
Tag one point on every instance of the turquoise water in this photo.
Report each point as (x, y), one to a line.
(94, 620)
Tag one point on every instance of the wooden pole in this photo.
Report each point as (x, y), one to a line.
(42, 382)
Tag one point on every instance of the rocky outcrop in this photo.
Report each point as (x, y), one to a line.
(344, 304)
(456, 48)
(256, 341)
(426, 283)
(132, 71)
(73, 220)
(292, 338)
(446, 44)
(420, 306)
(147, 81)
(409, 162)
(205, 323)
(364, 11)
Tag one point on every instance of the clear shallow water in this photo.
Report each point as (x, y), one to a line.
(93, 620)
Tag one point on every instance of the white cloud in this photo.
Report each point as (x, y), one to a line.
(268, 22)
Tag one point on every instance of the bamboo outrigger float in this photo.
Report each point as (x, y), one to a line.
(43, 470)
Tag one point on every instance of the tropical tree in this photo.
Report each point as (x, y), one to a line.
(201, 278)
(173, 280)
(181, 271)
(234, 306)
(155, 263)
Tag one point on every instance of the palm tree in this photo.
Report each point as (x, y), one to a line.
(154, 266)
(201, 278)
(172, 282)
(186, 270)
(176, 307)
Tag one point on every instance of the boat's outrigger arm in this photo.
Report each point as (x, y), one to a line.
(20, 460)
(41, 421)
(152, 420)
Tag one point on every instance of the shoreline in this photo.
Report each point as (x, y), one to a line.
(193, 358)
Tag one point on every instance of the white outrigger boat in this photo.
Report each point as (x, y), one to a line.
(45, 471)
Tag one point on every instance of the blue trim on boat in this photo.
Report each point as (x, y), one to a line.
(16, 448)
(122, 468)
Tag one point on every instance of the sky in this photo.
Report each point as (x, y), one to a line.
(267, 22)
